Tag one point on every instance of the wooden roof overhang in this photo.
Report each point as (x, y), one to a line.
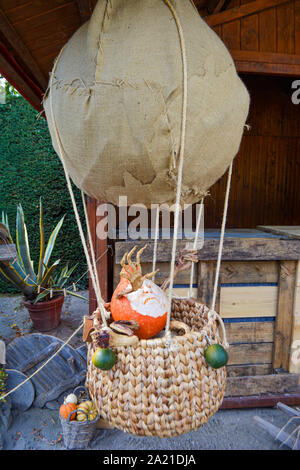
(262, 36)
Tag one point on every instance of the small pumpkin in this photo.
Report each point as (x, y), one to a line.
(89, 408)
(66, 409)
(71, 398)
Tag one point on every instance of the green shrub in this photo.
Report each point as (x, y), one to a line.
(30, 168)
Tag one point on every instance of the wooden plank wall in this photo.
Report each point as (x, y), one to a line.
(259, 302)
(248, 305)
(273, 30)
(295, 342)
(266, 176)
(266, 170)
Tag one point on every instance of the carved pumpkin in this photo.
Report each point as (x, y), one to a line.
(140, 299)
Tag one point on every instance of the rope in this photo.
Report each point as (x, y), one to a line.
(42, 366)
(90, 240)
(155, 241)
(195, 246)
(213, 304)
(181, 159)
(212, 314)
(96, 286)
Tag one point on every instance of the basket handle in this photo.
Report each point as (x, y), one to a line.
(82, 411)
(81, 387)
(71, 413)
(214, 316)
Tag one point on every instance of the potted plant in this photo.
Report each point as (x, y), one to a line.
(44, 291)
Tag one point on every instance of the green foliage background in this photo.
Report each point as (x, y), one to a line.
(30, 168)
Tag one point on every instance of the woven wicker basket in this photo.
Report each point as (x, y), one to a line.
(78, 434)
(162, 387)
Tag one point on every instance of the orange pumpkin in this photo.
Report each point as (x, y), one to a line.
(140, 299)
(66, 409)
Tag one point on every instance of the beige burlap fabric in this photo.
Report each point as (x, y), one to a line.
(117, 101)
(162, 387)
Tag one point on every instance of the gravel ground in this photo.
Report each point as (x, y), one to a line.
(40, 429)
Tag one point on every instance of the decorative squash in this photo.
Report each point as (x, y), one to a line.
(66, 409)
(71, 398)
(139, 299)
(104, 358)
(89, 408)
(216, 356)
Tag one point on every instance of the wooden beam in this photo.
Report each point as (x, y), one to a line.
(261, 384)
(266, 58)
(256, 401)
(215, 6)
(248, 301)
(250, 332)
(242, 11)
(21, 52)
(235, 249)
(85, 9)
(292, 231)
(259, 68)
(285, 315)
(250, 353)
(266, 63)
(15, 77)
(101, 254)
(295, 340)
(206, 280)
(245, 370)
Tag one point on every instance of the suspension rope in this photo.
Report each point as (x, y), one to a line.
(221, 244)
(156, 236)
(195, 245)
(96, 285)
(181, 159)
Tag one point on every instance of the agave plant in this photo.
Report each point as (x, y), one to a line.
(49, 281)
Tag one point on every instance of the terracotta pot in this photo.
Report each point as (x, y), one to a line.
(45, 316)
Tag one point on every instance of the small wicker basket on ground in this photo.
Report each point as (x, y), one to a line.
(162, 386)
(78, 434)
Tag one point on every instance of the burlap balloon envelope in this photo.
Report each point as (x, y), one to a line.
(117, 98)
(144, 102)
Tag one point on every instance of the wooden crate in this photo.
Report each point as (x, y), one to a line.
(258, 298)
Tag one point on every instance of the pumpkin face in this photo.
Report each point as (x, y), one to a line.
(89, 408)
(147, 305)
(66, 409)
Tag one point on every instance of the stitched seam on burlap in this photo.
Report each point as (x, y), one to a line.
(108, 7)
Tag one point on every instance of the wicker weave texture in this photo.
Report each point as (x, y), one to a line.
(162, 387)
(78, 434)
